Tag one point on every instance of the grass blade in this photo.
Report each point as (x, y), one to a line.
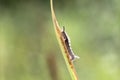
(63, 47)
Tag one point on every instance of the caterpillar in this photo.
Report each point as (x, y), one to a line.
(68, 45)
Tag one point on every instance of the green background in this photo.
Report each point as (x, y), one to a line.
(29, 49)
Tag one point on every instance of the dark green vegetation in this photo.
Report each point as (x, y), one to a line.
(27, 39)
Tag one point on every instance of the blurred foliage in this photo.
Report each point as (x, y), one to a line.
(27, 38)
